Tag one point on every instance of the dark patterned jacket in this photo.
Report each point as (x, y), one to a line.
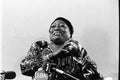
(75, 62)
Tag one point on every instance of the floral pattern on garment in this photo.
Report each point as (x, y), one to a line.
(78, 63)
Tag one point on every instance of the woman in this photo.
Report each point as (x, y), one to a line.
(62, 53)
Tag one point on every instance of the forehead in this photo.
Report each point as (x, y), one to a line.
(58, 22)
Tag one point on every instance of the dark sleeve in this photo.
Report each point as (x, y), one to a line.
(30, 63)
(89, 67)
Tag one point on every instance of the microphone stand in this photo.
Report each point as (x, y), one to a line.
(62, 72)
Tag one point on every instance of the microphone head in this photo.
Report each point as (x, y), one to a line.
(10, 75)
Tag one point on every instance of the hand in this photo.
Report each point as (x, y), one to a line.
(71, 47)
(45, 57)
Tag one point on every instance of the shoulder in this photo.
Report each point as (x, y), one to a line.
(80, 49)
(37, 47)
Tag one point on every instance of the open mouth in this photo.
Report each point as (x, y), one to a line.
(57, 33)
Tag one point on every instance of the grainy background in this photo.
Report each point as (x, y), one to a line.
(95, 24)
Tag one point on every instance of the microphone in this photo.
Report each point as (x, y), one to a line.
(8, 74)
(62, 72)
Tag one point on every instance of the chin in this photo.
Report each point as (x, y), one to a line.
(57, 40)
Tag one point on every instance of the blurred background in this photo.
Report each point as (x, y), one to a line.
(95, 27)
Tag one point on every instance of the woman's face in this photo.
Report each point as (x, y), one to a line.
(59, 32)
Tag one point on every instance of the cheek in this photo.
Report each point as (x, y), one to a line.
(50, 31)
(63, 30)
(50, 35)
(68, 33)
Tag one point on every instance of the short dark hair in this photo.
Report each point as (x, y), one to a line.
(67, 22)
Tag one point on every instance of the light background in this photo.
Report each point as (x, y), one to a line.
(95, 24)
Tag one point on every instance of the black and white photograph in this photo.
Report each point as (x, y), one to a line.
(59, 40)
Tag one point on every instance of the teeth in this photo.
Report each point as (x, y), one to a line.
(56, 33)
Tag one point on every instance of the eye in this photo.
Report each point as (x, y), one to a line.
(53, 26)
(62, 25)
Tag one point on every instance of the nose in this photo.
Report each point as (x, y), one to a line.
(57, 27)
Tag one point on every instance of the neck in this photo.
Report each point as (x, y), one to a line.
(54, 46)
